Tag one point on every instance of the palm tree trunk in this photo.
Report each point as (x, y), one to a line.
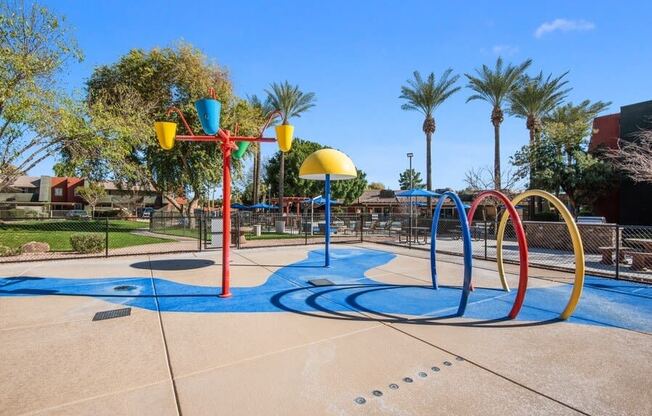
(497, 184)
(530, 204)
(257, 166)
(429, 167)
(281, 182)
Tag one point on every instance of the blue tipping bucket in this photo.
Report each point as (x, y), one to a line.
(208, 110)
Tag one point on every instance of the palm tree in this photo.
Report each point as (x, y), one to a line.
(425, 97)
(290, 101)
(265, 109)
(533, 100)
(495, 86)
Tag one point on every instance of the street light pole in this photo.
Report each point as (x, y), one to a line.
(410, 155)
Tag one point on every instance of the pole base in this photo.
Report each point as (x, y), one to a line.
(225, 295)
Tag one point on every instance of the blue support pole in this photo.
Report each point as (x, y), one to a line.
(327, 191)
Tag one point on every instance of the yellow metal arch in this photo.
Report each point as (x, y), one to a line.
(575, 238)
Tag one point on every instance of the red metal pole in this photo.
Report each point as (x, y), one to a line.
(226, 216)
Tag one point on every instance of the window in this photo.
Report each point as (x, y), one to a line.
(58, 191)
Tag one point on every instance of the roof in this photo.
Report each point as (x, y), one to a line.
(388, 197)
(26, 182)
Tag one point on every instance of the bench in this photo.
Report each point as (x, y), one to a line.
(640, 260)
(608, 255)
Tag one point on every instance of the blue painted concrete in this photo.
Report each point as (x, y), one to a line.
(604, 302)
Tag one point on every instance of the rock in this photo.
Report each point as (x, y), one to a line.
(35, 247)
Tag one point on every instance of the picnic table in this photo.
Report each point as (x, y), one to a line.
(416, 232)
(641, 259)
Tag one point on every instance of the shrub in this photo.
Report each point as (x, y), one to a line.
(35, 247)
(88, 242)
(18, 213)
(8, 251)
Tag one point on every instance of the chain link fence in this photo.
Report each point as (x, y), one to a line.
(611, 250)
(31, 239)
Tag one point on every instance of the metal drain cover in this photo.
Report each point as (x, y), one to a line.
(321, 282)
(116, 313)
(123, 288)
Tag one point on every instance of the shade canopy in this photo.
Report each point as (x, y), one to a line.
(239, 206)
(328, 162)
(416, 193)
(262, 205)
(322, 201)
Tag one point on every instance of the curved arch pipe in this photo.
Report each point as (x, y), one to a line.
(575, 238)
(468, 252)
(522, 247)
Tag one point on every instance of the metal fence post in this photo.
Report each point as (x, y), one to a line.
(617, 251)
(485, 239)
(199, 225)
(106, 239)
(361, 227)
(237, 230)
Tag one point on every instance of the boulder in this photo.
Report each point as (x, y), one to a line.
(35, 247)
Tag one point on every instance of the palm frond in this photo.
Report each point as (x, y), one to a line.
(426, 96)
(289, 100)
(495, 85)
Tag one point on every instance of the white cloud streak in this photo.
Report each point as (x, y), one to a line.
(504, 50)
(563, 25)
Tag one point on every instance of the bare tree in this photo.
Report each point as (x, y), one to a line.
(635, 158)
(480, 179)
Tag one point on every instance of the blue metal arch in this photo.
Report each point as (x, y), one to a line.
(468, 250)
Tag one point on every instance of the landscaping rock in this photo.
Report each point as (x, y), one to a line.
(35, 247)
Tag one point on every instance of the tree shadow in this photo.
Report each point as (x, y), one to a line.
(361, 313)
(177, 264)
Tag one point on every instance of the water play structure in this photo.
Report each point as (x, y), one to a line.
(510, 213)
(327, 165)
(208, 110)
(330, 164)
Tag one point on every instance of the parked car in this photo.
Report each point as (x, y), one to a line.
(147, 212)
(79, 214)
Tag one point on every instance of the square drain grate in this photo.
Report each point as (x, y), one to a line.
(321, 282)
(116, 313)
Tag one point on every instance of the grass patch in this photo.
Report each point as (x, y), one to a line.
(57, 233)
(179, 232)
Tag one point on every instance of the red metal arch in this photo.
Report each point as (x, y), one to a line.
(522, 245)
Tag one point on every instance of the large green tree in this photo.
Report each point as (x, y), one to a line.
(425, 96)
(347, 191)
(495, 86)
(126, 97)
(559, 161)
(36, 120)
(410, 179)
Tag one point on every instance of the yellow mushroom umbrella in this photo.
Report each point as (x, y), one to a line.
(328, 165)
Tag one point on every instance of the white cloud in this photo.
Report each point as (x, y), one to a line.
(563, 25)
(504, 50)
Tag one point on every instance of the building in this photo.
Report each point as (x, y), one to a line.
(629, 203)
(47, 194)
(386, 202)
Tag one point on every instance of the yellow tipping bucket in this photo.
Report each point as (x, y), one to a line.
(284, 136)
(165, 133)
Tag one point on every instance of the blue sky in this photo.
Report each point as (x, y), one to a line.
(355, 55)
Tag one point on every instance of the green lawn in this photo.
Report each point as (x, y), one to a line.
(179, 232)
(57, 233)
